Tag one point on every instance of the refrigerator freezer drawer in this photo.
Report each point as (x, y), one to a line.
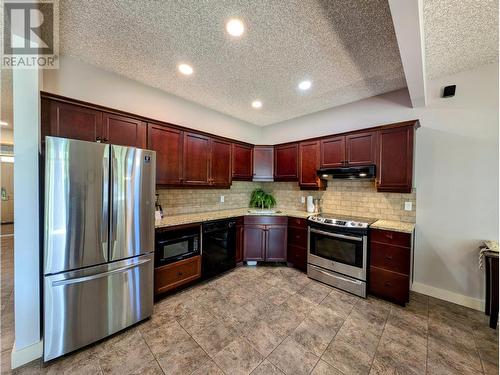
(81, 307)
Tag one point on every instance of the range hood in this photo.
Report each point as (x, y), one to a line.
(351, 173)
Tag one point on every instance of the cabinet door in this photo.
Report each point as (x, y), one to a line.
(360, 148)
(309, 159)
(395, 160)
(124, 131)
(333, 152)
(276, 243)
(220, 164)
(285, 162)
(168, 143)
(263, 163)
(196, 159)
(74, 121)
(253, 242)
(242, 162)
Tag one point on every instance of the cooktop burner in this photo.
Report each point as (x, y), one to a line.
(342, 221)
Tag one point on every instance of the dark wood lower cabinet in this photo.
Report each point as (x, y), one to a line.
(297, 243)
(390, 265)
(265, 238)
(239, 239)
(174, 275)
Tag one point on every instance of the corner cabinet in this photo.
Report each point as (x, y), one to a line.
(265, 238)
(263, 163)
(285, 162)
(309, 161)
(395, 158)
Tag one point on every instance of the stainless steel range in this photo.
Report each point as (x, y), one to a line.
(338, 251)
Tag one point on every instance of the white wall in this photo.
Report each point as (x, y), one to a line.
(456, 174)
(85, 82)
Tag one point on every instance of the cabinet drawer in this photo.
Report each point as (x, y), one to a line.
(297, 222)
(176, 274)
(297, 237)
(391, 237)
(265, 220)
(391, 258)
(389, 285)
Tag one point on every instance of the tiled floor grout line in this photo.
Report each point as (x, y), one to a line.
(149, 348)
(380, 338)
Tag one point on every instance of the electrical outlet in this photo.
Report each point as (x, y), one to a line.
(302, 199)
(222, 199)
(408, 206)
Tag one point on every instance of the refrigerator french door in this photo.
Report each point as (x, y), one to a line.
(98, 241)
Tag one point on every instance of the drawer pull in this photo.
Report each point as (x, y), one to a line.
(387, 283)
(389, 235)
(297, 236)
(388, 257)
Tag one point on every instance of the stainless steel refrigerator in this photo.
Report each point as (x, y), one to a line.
(98, 241)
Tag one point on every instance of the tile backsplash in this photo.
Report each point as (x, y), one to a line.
(184, 201)
(354, 197)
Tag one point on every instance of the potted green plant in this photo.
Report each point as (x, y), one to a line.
(261, 199)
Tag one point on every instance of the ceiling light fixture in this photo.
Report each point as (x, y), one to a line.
(257, 104)
(185, 69)
(305, 85)
(235, 27)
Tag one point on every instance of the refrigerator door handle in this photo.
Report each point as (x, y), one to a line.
(105, 204)
(114, 206)
(99, 275)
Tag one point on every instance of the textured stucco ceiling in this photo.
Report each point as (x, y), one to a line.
(459, 35)
(347, 48)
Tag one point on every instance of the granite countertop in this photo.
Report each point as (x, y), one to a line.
(199, 217)
(397, 226)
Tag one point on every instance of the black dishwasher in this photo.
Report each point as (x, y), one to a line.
(218, 247)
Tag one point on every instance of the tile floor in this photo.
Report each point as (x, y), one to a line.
(274, 320)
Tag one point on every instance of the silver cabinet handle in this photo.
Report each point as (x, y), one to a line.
(336, 235)
(99, 275)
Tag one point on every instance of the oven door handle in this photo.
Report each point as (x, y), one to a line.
(336, 235)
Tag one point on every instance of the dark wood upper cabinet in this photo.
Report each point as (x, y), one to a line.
(73, 121)
(168, 144)
(263, 163)
(309, 162)
(361, 148)
(285, 162)
(220, 164)
(242, 162)
(276, 240)
(124, 131)
(333, 152)
(196, 159)
(395, 159)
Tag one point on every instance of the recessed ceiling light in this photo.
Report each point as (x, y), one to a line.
(235, 27)
(3, 123)
(256, 104)
(305, 85)
(185, 69)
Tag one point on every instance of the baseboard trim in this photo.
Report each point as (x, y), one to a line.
(446, 295)
(23, 356)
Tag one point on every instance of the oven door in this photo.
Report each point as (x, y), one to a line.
(339, 252)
